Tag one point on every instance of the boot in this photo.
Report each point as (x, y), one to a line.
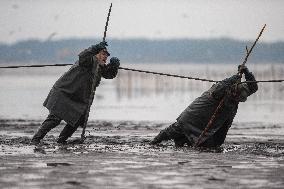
(160, 137)
(66, 133)
(179, 142)
(50, 122)
(34, 141)
(40, 134)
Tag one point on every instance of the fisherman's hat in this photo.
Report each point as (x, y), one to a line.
(98, 47)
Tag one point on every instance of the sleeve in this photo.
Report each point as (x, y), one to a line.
(86, 58)
(253, 87)
(108, 71)
(221, 87)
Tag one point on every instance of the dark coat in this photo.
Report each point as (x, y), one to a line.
(74, 90)
(196, 116)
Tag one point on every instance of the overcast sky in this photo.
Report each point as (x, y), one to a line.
(153, 19)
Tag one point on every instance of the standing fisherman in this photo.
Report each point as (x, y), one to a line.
(73, 93)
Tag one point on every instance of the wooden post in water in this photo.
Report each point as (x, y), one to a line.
(129, 85)
(281, 87)
(273, 88)
(157, 87)
(118, 86)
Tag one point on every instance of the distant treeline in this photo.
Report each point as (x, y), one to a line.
(143, 50)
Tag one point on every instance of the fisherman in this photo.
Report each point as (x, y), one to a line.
(193, 120)
(73, 93)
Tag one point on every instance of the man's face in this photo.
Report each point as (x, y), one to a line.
(243, 96)
(102, 56)
(243, 92)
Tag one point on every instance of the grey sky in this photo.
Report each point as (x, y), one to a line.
(240, 19)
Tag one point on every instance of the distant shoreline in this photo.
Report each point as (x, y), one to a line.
(221, 50)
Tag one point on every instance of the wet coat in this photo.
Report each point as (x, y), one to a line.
(196, 116)
(74, 90)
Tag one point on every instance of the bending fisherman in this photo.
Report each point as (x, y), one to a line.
(193, 120)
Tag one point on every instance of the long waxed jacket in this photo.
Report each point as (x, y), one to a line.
(73, 92)
(196, 116)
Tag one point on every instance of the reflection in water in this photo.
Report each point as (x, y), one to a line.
(134, 84)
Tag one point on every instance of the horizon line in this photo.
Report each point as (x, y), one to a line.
(137, 38)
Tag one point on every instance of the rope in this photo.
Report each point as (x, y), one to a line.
(200, 79)
(171, 75)
(264, 81)
(39, 65)
(144, 71)
(129, 69)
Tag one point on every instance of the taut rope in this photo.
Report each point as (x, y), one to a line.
(144, 71)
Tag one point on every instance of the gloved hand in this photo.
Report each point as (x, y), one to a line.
(243, 69)
(85, 57)
(96, 48)
(114, 62)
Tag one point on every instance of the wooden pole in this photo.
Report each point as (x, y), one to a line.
(108, 15)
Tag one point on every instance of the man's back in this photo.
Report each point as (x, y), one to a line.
(196, 116)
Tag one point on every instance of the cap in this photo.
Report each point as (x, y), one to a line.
(98, 47)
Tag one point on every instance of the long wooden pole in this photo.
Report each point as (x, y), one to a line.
(108, 15)
(249, 52)
(93, 84)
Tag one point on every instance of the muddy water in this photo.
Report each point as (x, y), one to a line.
(117, 155)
